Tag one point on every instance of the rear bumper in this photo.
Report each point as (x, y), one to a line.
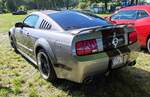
(87, 66)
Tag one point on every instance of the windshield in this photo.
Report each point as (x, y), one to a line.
(70, 20)
(126, 15)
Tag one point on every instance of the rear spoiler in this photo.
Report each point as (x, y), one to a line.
(97, 28)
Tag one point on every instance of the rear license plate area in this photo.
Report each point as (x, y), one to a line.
(117, 61)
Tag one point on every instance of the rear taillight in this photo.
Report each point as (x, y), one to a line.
(132, 37)
(86, 47)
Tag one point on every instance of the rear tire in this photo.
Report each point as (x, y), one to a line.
(148, 45)
(45, 67)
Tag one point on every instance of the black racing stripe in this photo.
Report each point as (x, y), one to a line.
(108, 36)
(112, 53)
(124, 49)
(116, 52)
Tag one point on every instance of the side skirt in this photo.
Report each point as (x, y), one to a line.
(26, 56)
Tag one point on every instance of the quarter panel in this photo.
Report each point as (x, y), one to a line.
(46, 46)
(143, 30)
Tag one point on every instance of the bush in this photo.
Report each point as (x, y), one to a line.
(82, 5)
(22, 7)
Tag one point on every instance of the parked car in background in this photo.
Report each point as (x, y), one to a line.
(96, 9)
(139, 16)
(19, 12)
(73, 45)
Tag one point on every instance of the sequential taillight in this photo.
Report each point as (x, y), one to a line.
(132, 37)
(86, 47)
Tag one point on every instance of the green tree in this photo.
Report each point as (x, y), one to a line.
(11, 6)
(134, 2)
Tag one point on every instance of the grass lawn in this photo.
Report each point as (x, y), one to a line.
(8, 20)
(103, 15)
(18, 78)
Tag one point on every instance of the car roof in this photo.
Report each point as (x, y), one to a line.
(138, 7)
(49, 11)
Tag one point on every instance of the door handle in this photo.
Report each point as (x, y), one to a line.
(27, 33)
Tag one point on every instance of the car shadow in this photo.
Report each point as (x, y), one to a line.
(127, 82)
(144, 50)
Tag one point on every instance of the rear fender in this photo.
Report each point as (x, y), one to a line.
(46, 46)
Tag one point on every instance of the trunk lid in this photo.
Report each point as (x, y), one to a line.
(106, 37)
(113, 38)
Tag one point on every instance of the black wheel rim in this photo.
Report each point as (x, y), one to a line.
(12, 43)
(44, 65)
(148, 45)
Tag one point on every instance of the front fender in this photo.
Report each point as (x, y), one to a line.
(46, 46)
(12, 31)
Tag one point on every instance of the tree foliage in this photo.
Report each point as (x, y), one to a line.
(12, 5)
(98, 1)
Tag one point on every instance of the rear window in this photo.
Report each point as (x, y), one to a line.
(70, 20)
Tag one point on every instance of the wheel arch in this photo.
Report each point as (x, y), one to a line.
(44, 44)
(11, 33)
(147, 39)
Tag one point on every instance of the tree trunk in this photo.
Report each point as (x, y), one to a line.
(137, 2)
(67, 6)
(132, 2)
(106, 5)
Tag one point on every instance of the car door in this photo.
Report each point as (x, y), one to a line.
(31, 21)
(19, 38)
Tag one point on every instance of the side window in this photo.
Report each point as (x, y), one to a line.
(45, 25)
(31, 20)
(142, 14)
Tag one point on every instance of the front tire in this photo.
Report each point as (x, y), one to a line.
(13, 44)
(148, 45)
(45, 67)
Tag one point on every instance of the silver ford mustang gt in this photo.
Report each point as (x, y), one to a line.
(73, 45)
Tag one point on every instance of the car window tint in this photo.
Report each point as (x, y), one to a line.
(70, 20)
(142, 14)
(31, 20)
(125, 14)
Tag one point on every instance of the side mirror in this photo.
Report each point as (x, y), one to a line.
(19, 24)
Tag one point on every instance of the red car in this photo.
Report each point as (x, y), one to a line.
(139, 16)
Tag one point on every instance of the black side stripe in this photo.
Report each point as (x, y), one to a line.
(124, 49)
